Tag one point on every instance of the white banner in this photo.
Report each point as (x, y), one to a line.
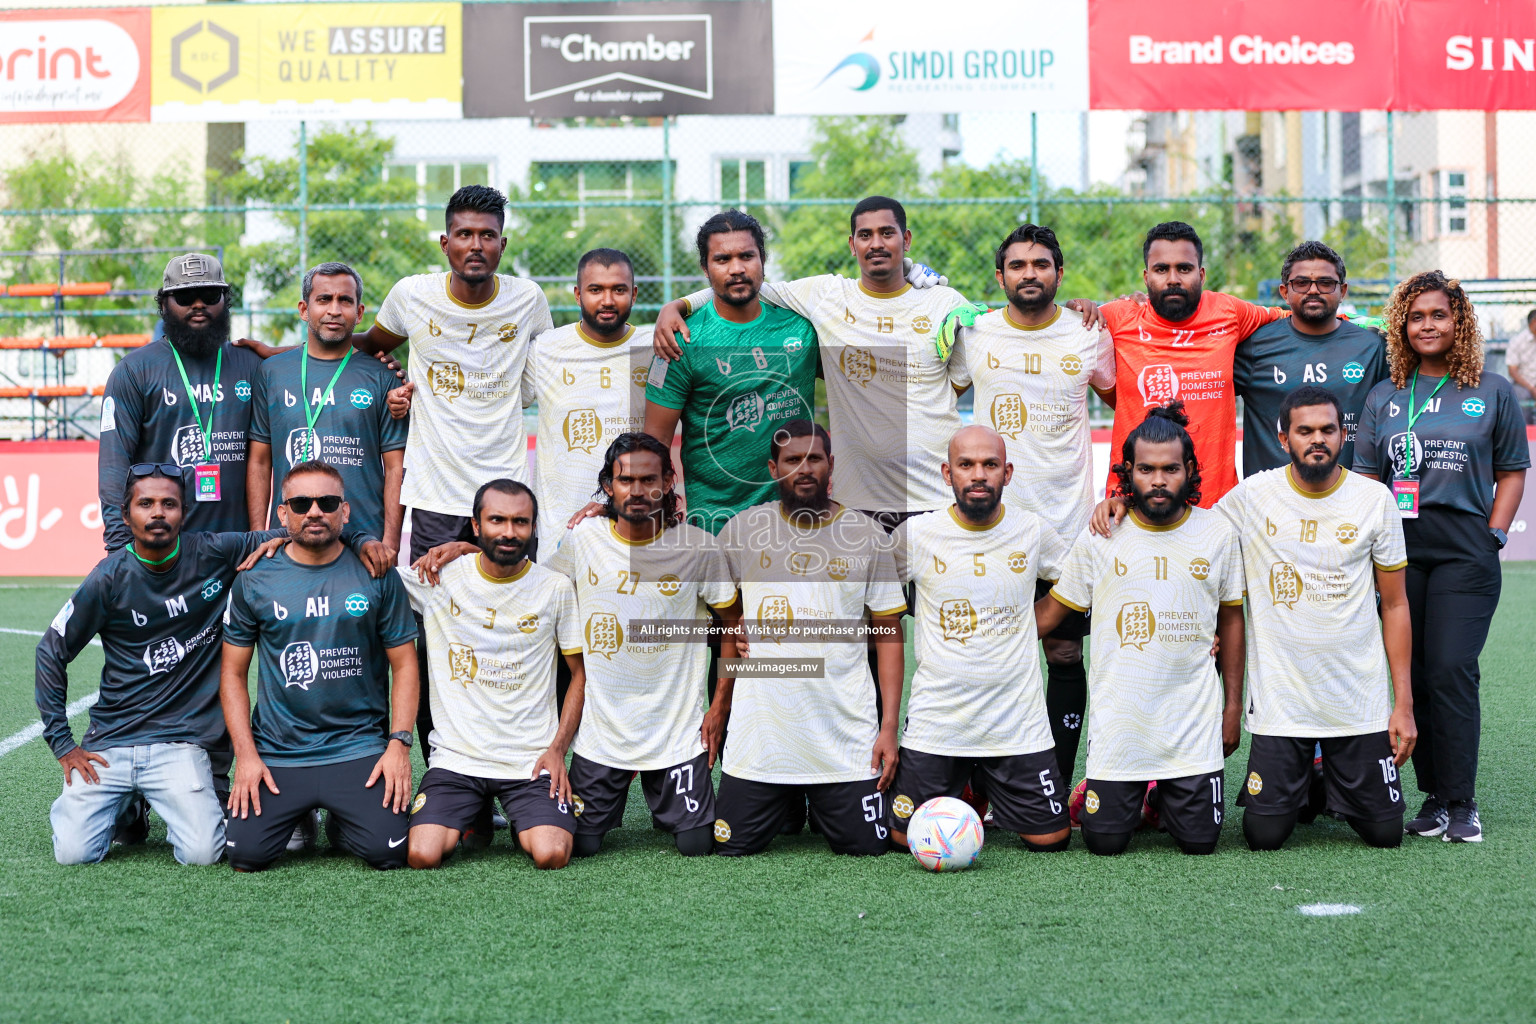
(906, 56)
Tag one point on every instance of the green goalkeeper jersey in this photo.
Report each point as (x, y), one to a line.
(735, 383)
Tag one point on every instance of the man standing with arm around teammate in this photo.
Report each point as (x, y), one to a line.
(1033, 366)
(1320, 542)
(977, 713)
(636, 569)
(470, 331)
(497, 622)
(1170, 579)
(329, 403)
(330, 636)
(1311, 346)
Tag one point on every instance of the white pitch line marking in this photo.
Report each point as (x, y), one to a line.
(1328, 909)
(35, 730)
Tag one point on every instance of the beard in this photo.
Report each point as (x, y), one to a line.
(794, 502)
(1313, 472)
(197, 342)
(1175, 302)
(1316, 316)
(1035, 303)
(730, 299)
(1175, 508)
(978, 509)
(503, 551)
(316, 541)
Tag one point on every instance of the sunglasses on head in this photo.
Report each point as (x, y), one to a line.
(328, 503)
(188, 297)
(142, 469)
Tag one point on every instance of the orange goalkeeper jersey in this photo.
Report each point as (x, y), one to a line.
(1157, 361)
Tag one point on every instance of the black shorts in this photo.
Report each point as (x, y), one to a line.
(680, 798)
(452, 800)
(1191, 807)
(1358, 775)
(366, 827)
(1026, 790)
(1074, 626)
(851, 816)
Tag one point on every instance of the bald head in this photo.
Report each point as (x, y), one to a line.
(977, 470)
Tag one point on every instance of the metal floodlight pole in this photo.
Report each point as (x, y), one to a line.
(303, 198)
(666, 209)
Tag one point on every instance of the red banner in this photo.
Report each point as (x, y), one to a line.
(50, 519)
(74, 65)
(1466, 55)
(1234, 55)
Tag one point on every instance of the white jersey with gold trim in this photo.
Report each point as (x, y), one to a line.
(1317, 665)
(977, 691)
(467, 362)
(491, 647)
(1154, 696)
(795, 581)
(1032, 386)
(891, 408)
(645, 701)
(588, 392)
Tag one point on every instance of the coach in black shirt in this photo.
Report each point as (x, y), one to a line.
(185, 399)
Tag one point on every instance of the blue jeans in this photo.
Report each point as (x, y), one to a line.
(176, 780)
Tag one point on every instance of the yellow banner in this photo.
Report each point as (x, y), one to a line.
(265, 62)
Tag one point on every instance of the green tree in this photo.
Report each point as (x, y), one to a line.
(344, 165)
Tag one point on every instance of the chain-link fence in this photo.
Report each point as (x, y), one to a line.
(91, 212)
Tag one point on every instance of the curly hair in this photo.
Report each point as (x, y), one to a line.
(1163, 424)
(626, 444)
(1465, 360)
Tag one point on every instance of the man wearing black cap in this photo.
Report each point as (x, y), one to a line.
(184, 399)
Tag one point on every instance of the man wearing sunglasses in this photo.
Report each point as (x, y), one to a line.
(1311, 346)
(157, 731)
(185, 399)
(329, 731)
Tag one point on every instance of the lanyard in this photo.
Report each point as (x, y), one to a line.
(197, 417)
(312, 416)
(1414, 412)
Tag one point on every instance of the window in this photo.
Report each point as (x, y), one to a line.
(1451, 189)
(798, 170)
(436, 182)
(598, 181)
(742, 180)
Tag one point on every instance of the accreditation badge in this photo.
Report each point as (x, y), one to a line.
(1406, 493)
(206, 482)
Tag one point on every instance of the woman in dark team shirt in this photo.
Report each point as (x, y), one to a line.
(1449, 440)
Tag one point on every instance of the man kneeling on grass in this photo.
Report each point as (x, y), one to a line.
(330, 637)
(494, 623)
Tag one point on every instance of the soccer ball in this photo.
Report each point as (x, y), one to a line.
(945, 834)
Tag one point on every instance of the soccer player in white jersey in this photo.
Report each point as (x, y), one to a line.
(888, 396)
(1032, 366)
(645, 585)
(1162, 587)
(976, 713)
(1319, 543)
(588, 380)
(497, 623)
(469, 332)
(803, 724)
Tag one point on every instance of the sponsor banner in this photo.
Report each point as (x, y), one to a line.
(906, 56)
(1227, 55)
(50, 520)
(1454, 55)
(74, 65)
(285, 62)
(617, 59)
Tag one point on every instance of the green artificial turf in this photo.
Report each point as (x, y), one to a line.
(640, 934)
